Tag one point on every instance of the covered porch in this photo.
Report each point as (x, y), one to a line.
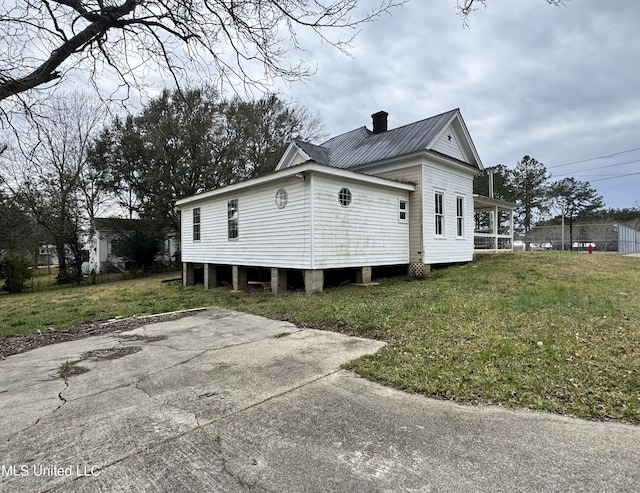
(493, 225)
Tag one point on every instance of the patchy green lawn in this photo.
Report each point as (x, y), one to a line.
(63, 306)
(549, 331)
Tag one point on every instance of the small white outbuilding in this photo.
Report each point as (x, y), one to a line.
(363, 199)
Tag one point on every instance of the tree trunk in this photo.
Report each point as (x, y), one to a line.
(62, 277)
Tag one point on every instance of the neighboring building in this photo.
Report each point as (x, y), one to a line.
(47, 256)
(106, 229)
(361, 200)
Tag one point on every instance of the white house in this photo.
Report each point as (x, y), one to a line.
(363, 199)
(106, 229)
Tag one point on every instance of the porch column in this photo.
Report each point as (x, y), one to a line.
(239, 277)
(210, 276)
(496, 228)
(313, 281)
(187, 274)
(511, 228)
(278, 280)
(363, 275)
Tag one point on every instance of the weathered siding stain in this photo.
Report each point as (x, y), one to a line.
(313, 230)
(268, 236)
(367, 232)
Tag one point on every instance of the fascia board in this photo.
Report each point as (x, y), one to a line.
(488, 201)
(442, 130)
(417, 158)
(452, 163)
(457, 118)
(291, 171)
(288, 156)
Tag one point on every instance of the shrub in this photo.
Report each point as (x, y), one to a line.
(15, 272)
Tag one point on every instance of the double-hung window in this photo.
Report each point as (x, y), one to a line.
(196, 224)
(403, 209)
(439, 214)
(232, 219)
(459, 216)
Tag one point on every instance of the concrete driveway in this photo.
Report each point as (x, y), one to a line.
(223, 401)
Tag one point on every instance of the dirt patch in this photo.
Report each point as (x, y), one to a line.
(73, 370)
(10, 345)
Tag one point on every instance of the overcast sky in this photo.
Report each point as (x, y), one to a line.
(561, 84)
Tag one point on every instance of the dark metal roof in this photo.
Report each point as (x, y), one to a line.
(316, 153)
(361, 146)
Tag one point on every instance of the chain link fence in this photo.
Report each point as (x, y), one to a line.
(604, 237)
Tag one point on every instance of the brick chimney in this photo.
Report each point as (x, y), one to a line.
(379, 122)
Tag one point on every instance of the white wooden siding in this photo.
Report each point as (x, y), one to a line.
(365, 233)
(298, 159)
(267, 236)
(449, 147)
(412, 174)
(447, 248)
(313, 231)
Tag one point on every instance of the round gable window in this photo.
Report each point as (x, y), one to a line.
(281, 198)
(344, 197)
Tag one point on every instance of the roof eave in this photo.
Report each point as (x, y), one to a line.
(296, 170)
(484, 201)
(292, 150)
(457, 116)
(411, 157)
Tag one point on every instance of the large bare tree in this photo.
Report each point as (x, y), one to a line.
(47, 173)
(43, 39)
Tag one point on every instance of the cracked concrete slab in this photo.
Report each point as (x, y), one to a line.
(223, 401)
(190, 372)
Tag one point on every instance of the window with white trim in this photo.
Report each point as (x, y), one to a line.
(196, 224)
(459, 216)
(282, 197)
(344, 197)
(439, 214)
(232, 219)
(403, 211)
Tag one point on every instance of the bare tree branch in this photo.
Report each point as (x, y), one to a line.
(466, 7)
(239, 41)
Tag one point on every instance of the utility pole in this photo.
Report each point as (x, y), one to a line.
(491, 183)
(563, 227)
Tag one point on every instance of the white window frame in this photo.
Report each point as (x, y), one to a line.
(196, 215)
(460, 216)
(345, 197)
(233, 219)
(282, 197)
(403, 211)
(438, 214)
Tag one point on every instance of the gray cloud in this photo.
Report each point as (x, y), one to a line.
(559, 84)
